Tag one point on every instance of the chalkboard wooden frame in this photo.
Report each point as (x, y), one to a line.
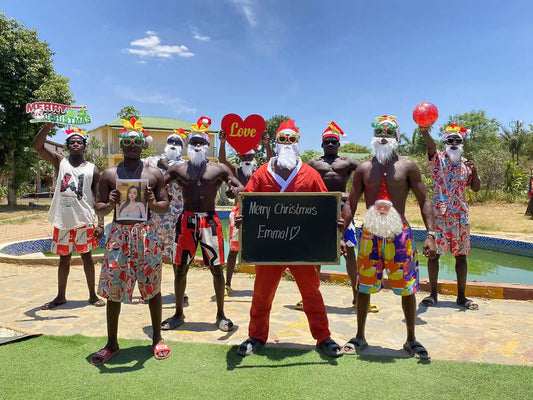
(289, 228)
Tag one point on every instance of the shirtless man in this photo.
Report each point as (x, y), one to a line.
(335, 172)
(200, 180)
(386, 240)
(72, 210)
(243, 173)
(133, 250)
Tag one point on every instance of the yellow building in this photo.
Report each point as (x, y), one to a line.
(157, 127)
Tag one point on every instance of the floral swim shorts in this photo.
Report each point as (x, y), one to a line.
(133, 254)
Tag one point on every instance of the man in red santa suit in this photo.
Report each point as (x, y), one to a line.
(287, 173)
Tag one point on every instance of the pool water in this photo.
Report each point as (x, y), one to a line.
(483, 266)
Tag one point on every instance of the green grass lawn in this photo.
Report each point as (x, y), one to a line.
(52, 367)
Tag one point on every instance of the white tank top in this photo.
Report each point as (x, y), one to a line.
(73, 202)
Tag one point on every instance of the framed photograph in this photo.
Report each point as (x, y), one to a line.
(132, 206)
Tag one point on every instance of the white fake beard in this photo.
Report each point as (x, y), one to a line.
(454, 155)
(197, 155)
(172, 152)
(287, 155)
(248, 168)
(385, 226)
(384, 152)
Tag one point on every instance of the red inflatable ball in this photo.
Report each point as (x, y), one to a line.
(425, 114)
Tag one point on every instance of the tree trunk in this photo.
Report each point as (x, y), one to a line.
(11, 190)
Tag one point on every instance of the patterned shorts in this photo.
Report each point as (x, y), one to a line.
(453, 235)
(80, 239)
(233, 232)
(398, 256)
(203, 228)
(133, 253)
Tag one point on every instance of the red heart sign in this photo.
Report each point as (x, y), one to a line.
(245, 135)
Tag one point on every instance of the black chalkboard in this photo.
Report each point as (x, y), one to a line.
(290, 228)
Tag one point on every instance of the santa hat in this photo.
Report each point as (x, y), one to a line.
(288, 128)
(178, 134)
(134, 128)
(388, 119)
(75, 132)
(455, 129)
(333, 131)
(199, 129)
(383, 195)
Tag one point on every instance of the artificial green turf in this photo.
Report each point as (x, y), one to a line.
(57, 367)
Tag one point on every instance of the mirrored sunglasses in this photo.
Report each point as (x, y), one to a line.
(283, 138)
(176, 142)
(137, 141)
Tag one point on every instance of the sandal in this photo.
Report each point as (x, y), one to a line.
(249, 346)
(161, 351)
(171, 323)
(224, 324)
(103, 356)
(354, 346)
(330, 348)
(415, 349)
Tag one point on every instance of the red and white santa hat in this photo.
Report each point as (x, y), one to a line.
(75, 131)
(333, 131)
(455, 129)
(199, 129)
(383, 195)
(288, 128)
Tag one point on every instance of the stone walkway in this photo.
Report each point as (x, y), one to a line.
(500, 332)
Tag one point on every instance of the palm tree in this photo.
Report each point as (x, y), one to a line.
(514, 138)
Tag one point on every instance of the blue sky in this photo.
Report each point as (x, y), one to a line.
(315, 61)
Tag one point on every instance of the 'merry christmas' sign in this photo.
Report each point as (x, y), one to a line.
(58, 113)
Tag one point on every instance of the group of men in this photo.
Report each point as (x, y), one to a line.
(134, 249)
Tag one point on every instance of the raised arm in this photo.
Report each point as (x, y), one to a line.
(39, 145)
(266, 143)
(222, 153)
(428, 140)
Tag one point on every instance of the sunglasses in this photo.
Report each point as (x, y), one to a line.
(453, 141)
(283, 138)
(174, 141)
(327, 142)
(389, 131)
(137, 141)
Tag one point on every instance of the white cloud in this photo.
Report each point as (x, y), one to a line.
(151, 47)
(200, 37)
(178, 105)
(247, 8)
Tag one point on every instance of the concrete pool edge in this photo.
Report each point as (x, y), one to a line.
(474, 288)
(490, 290)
